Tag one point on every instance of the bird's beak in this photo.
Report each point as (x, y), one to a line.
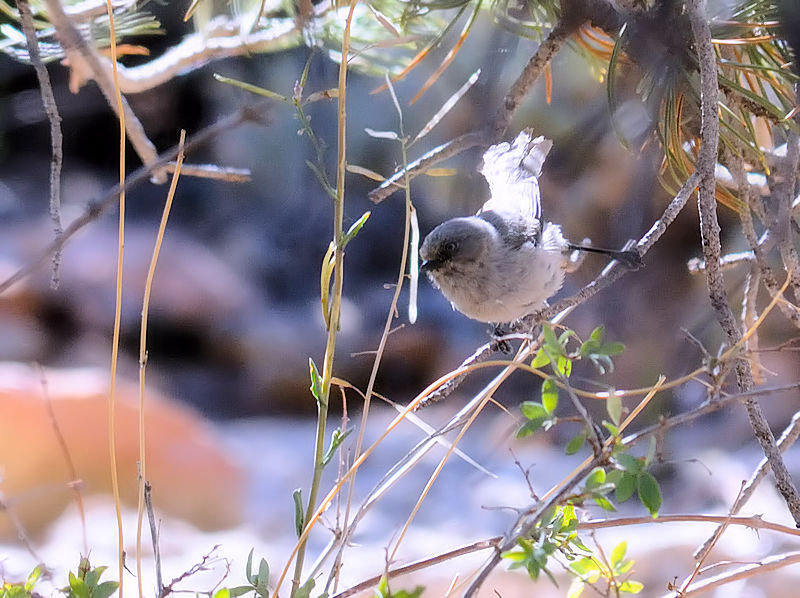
(429, 265)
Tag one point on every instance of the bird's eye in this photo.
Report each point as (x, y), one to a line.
(450, 247)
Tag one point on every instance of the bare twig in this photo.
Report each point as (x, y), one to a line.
(709, 232)
(421, 564)
(56, 138)
(766, 565)
(430, 159)
(74, 481)
(86, 63)
(151, 518)
(787, 439)
(255, 113)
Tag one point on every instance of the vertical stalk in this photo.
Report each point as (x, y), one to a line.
(335, 304)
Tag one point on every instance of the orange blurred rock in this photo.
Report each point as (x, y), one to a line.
(191, 476)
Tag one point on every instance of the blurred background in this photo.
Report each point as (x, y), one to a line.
(235, 311)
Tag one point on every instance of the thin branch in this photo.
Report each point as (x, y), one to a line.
(195, 50)
(562, 30)
(709, 232)
(421, 564)
(787, 439)
(427, 161)
(255, 113)
(86, 63)
(766, 565)
(54, 118)
(536, 65)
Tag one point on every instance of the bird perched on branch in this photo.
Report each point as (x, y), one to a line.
(505, 262)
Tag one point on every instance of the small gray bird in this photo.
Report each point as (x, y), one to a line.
(505, 262)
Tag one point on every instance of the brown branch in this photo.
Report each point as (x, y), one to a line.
(54, 118)
(256, 113)
(421, 564)
(709, 232)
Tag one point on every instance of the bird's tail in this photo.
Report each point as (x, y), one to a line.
(630, 258)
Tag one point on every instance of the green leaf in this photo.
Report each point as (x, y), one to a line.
(105, 589)
(354, 228)
(595, 478)
(533, 410)
(652, 445)
(628, 462)
(575, 443)
(584, 566)
(610, 349)
(34, 577)
(550, 340)
(603, 502)
(248, 571)
(598, 334)
(316, 384)
(337, 438)
(303, 591)
(225, 592)
(549, 396)
(529, 428)
(262, 586)
(564, 366)
(299, 512)
(649, 492)
(238, 591)
(618, 554)
(625, 487)
(252, 88)
(612, 429)
(614, 408)
(631, 587)
(541, 359)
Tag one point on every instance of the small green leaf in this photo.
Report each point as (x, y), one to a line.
(564, 366)
(105, 589)
(252, 88)
(614, 408)
(316, 383)
(618, 553)
(549, 396)
(598, 334)
(533, 410)
(595, 478)
(575, 443)
(625, 487)
(541, 359)
(238, 591)
(649, 492)
(652, 445)
(248, 571)
(584, 566)
(612, 429)
(299, 513)
(262, 587)
(529, 428)
(337, 438)
(631, 587)
(603, 502)
(354, 228)
(610, 349)
(303, 591)
(550, 340)
(225, 592)
(628, 462)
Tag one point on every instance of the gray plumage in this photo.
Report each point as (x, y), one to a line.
(504, 262)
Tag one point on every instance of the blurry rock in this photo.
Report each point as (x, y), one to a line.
(191, 476)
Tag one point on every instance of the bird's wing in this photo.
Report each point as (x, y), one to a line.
(512, 171)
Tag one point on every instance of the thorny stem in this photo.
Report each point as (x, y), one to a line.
(709, 232)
